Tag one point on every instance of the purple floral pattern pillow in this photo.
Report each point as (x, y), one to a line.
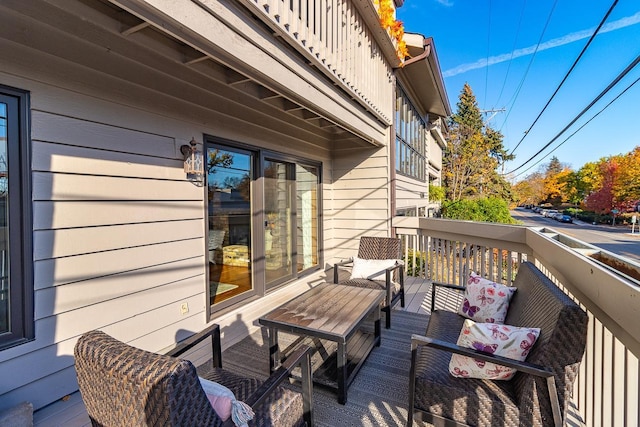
(485, 301)
(494, 338)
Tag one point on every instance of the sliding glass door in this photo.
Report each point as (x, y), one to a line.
(291, 219)
(263, 211)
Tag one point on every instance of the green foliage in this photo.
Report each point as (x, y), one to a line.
(416, 263)
(573, 211)
(473, 153)
(491, 209)
(436, 193)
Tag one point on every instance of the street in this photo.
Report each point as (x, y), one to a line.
(617, 240)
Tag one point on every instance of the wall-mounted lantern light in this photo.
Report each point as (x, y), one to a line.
(193, 161)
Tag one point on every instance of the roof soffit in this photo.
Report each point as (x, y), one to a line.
(422, 76)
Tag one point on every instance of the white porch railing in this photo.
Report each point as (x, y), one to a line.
(607, 391)
(342, 38)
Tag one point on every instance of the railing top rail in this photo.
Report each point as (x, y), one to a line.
(511, 237)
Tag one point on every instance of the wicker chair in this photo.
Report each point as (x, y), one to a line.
(393, 284)
(126, 386)
(539, 393)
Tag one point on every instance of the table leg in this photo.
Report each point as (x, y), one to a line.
(342, 372)
(274, 350)
(376, 325)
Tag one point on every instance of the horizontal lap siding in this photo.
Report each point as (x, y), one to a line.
(118, 232)
(118, 245)
(409, 192)
(361, 199)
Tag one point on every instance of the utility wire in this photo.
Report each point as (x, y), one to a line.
(514, 98)
(567, 75)
(580, 128)
(597, 98)
(486, 73)
(513, 51)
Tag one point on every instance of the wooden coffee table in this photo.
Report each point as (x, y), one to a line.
(338, 314)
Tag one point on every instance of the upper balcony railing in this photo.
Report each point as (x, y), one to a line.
(343, 39)
(607, 390)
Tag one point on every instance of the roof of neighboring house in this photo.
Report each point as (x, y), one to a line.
(421, 75)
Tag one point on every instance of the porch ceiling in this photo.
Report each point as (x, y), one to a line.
(199, 54)
(103, 37)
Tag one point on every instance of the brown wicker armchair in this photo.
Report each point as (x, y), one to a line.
(125, 386)
(393, 284)
(539, 393)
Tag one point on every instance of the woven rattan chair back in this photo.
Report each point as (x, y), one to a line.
(126, 386)
(379, 248)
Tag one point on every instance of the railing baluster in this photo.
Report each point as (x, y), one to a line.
(334, 36)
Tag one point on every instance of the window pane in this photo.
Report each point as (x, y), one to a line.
(229, 245)
(307, 210)
(277, 234)
(4, 216)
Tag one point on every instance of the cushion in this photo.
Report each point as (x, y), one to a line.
(225, 404)
(485, 301)
(367, 268)
(503, 340)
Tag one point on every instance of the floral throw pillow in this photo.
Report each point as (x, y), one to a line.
(503, 340)
(485, 301)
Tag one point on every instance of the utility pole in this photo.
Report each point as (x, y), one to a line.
(494, 111)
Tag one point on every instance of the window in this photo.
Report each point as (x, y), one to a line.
(16, 259)
(410, 139)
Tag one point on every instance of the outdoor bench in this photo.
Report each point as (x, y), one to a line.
(538, 394)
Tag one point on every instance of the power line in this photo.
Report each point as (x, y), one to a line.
(486, 73)
(513, 50)
(606, 16)
(596, 99)
(580, 128)
(514, 98)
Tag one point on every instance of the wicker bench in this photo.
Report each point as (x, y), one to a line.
(539, 393)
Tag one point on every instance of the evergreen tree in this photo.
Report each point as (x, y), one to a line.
(473, 154)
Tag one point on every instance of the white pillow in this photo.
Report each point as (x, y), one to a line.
(367, 268)
(503, 340)
(485, 301)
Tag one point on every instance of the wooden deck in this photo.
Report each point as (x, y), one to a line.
(70, 411)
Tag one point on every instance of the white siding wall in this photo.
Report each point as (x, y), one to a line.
(435, 153)
(409, 193)
(361, 200)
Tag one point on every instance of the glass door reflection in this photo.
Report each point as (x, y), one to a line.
(278, 242)
(229, 177)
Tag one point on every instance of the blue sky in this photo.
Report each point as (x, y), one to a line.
(529, 47)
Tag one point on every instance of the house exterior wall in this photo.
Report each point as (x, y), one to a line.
(360, 199)
(119, 233)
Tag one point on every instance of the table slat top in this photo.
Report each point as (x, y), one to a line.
(331, 309)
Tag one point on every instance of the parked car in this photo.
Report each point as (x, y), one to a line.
(550, 213)
(565, 218)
